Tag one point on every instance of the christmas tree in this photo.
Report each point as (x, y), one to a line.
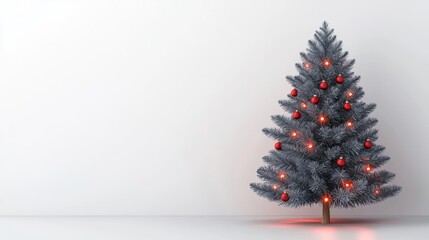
(326, 151)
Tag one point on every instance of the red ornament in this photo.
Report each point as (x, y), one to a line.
(323, 85)
(314, 100)
(278, 145)
(294, 92)
(340, 79)
(307, 66)
(296, 114)
(367, 144)
(347, 106)
(341, 162)
(285, 197)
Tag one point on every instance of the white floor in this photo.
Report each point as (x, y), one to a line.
(261, 228)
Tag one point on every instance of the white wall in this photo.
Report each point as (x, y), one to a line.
(156, 107)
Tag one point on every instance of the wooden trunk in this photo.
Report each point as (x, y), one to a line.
(326, 219)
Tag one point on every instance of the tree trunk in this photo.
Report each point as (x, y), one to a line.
(326, 219)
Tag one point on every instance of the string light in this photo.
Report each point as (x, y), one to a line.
(293, 134)
(282, 176)
(275, 187)
(310, 146)
(349, 124)
(368, 168)
(304, 105)
(377, 191)
(349, 94)
(326, 199)
(323, 119)
(326, 62)
(307, 65)
(348, 184)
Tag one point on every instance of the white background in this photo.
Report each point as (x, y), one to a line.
(156, 107)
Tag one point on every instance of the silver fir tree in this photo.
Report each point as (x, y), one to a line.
(326, 151)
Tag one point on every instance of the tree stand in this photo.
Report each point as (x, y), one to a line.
(326, 219)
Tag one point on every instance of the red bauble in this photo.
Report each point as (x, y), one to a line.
(341, 162)
(285, 197)
(278, 145)
(296, 114)
(323, 85)
(294, 92)
(367, 144)
(347, 106)
(340, 79)
(314, 100)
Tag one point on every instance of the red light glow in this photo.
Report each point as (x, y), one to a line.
(326, 199)
(294, 134)
(310, 146)
(307, 66)
(304, 105)
(349, 94)
(275, 187)
(348, 184)
(349, 124)
(377, 191)
(282, 176)
(326, 62)
(323, 119)
(368, 168)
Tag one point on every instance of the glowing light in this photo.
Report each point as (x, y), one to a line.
(303, 105)
(349, 124)
(282, 176)
(275, 187)
(348, 184)
(349, 94)
(377, 191)
(323, 119)
(326, 199)
(307, 65)
(294, 134)
(310, 146)
(368, 168)
(326, 62)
